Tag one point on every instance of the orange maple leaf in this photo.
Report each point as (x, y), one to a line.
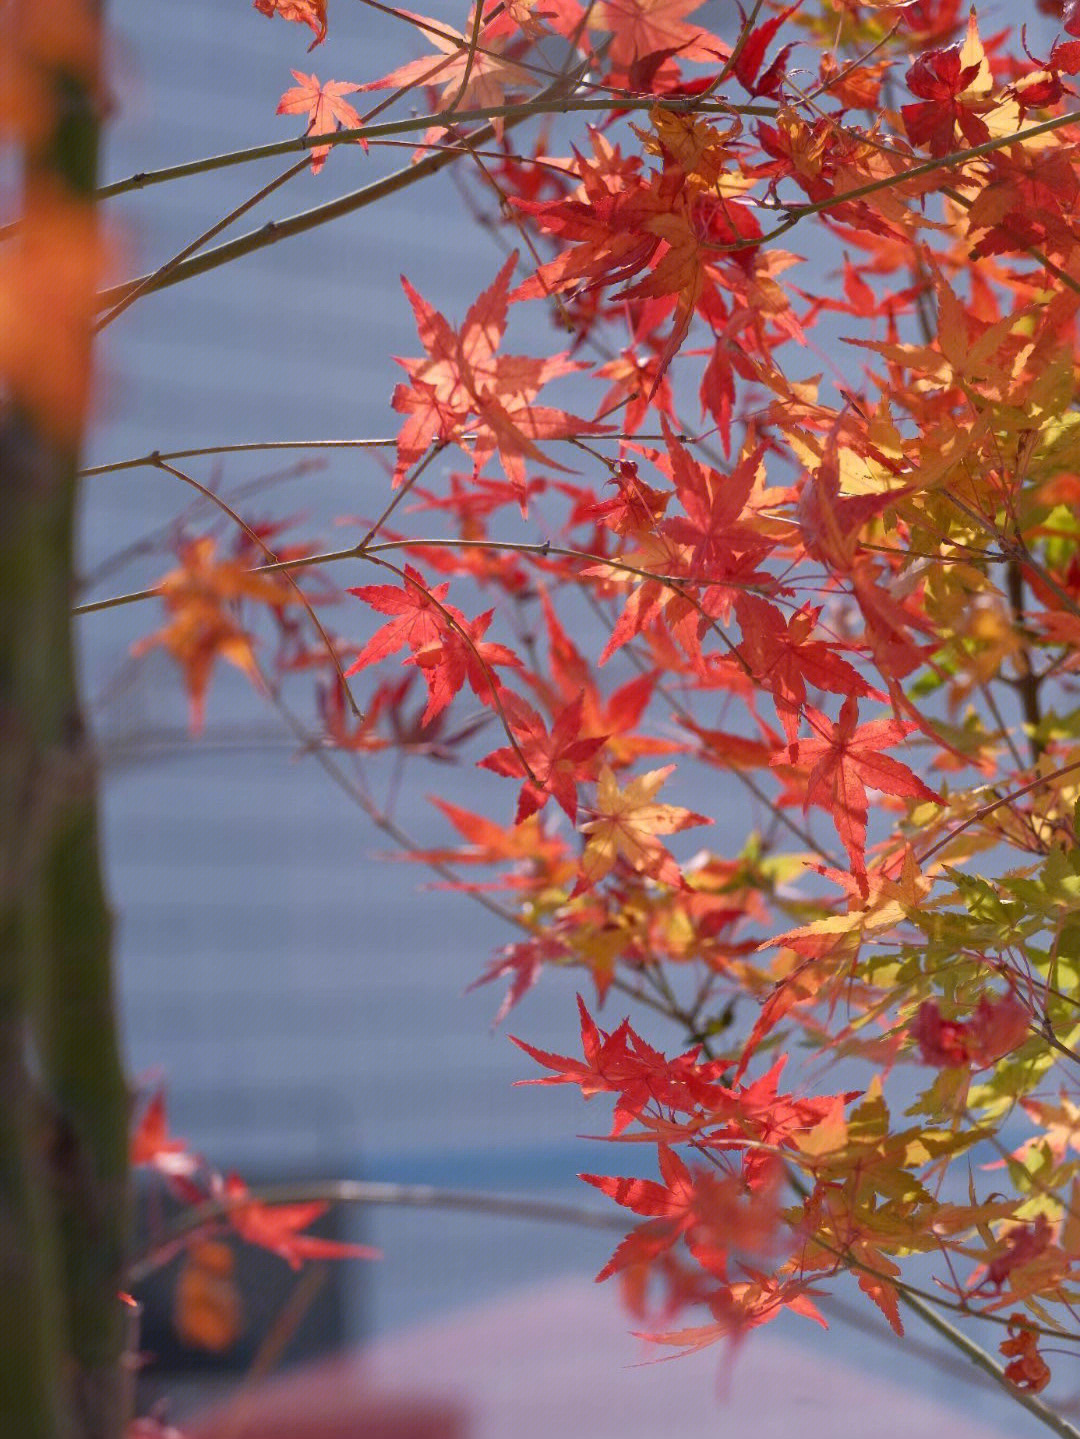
(201, 597)
(627, 823)
(524, 844)
(50, 270)
(650, 27)
(208, 1310)
(304, 12)
(324, 107)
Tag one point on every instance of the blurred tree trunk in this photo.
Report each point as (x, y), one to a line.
(63, 1099)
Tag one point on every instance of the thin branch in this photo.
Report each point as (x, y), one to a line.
(369, 1192)
(153, 281)
(979, 1357)
(470, 60)
(388, 442)
(379, 818)
(402, 490)
(359, 552)
(547, 102)
(988, 809)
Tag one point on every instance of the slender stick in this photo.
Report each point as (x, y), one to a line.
(547, 102)
(388, 442)
(979, 1357)
(153, 281)
(369, 1192)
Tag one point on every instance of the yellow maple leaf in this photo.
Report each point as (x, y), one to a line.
(627, 823)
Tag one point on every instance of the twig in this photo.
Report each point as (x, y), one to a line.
(369, 1192)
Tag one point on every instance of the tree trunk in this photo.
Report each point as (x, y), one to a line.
(63, 1099)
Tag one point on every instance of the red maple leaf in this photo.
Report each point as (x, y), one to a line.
(277, 1227)
(303, 12)
(324, 107)
(635, 509)
(1027, 1369)
(752, 56)
(448, 648)
(463, 386)
(840, 765)
(422, 619)
(996, 1028)
(668, 1206)
(559, 759)
(782, 657)
(617, 716)
(719, 547)
(620, 1063)
(622, 224)
(939, 78)
(460, 653)
(623, 1063)
(523, 963)
(831, 521)
(710, 1210)
(152, 1146)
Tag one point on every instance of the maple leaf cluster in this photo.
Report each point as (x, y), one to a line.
(815, 541)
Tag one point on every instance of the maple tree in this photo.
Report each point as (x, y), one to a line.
(826, 540)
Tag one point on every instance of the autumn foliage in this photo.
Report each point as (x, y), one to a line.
(756, 600)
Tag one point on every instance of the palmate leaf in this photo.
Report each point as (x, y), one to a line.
(838, 767)
(325, 108)
(559, 760)
(465, 387)
(279, 1228)
(627, 824)
(470, 77)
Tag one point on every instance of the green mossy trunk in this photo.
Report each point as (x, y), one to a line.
(63, 1100)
